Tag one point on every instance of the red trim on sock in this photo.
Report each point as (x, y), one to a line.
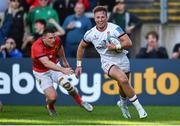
(78, 99)
(50, 105)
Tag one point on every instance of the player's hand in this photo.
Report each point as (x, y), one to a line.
(111, 46)
(78, 71)
(66, 64)
(68, 71)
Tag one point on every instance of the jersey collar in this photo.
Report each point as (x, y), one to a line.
(101, 30)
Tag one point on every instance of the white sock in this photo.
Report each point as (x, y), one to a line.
(136, 103)
(123, 100)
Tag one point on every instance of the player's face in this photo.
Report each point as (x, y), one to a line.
(49, 39)
(100, 19)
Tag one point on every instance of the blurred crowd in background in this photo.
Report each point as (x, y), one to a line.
(23, 21)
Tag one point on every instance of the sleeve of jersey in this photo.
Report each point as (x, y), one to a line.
(119, 32)
(87, 37)
(37, 52)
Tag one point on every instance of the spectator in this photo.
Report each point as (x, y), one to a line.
(18, 22)
(152, 50)
(75, 26)
(6, 26)
(86, 4)
(176, 51)
(59, 30)
(25, 6)
(29, 39)
(41, 12)
(9, 50)
(40, 26)
(128, 21)
(64, 8)
(123, 18)
(34, 3)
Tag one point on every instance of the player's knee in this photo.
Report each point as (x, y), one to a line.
(52, 96)
(123, 81)
(69, 87)
(63, 80)
(66, 84)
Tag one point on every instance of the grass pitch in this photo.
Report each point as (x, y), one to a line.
(102, 115)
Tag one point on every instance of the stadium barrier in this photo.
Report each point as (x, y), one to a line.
(157, 82)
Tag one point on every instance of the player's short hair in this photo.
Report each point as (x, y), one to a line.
(153, 33)
(41, 21)
(100, 8)
(48, 30)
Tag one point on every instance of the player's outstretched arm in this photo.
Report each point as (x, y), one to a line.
(79, 57)
(52, 66)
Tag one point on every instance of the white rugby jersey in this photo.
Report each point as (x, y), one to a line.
(99, 39)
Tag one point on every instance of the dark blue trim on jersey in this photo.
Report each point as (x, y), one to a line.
(86, 42)
(110, 69)
(122, 35)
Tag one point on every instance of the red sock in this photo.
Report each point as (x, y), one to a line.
(78, 99)
(50, 105)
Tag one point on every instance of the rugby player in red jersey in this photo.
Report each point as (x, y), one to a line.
(47, 69)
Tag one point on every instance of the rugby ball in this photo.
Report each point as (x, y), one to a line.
(115, 41)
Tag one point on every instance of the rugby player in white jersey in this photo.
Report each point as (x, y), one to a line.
(114, 61)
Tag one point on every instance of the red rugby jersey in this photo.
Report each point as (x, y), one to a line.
(39, 49)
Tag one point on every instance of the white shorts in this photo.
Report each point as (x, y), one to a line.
(46, 79)
(121, 62)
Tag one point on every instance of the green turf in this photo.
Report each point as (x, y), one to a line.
(158, 115)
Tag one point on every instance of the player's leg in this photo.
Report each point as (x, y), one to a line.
(46, 84)
(122, 79)
(51, 97)
(74, 93)
(116, 73)
(70, 89)
(62, 80)
(122, 103)
(121, 92)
